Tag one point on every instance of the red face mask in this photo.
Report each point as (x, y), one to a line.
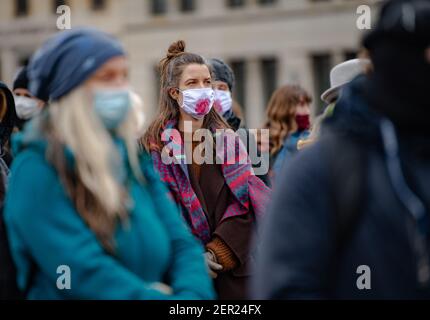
(303, 122)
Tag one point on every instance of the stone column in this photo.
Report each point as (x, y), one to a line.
(210, 7)
(287, 73)
(254, 104)
(172, 8)
(337, 57)
(296, 68)
(9, 65)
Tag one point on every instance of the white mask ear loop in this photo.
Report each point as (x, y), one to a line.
(183, 98)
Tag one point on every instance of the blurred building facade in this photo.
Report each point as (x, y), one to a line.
(267, 42)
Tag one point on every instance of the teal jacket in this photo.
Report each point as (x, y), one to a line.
(46, 231)
(287, 151)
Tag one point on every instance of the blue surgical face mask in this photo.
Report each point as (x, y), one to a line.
(112, 106)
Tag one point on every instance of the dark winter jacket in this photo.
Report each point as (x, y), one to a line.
(303, 256)
(45, 231)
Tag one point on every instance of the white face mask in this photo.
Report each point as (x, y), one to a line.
(198, 102)
(26, 108)
(223, 101)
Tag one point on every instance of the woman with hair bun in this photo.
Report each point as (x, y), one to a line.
(220, 202)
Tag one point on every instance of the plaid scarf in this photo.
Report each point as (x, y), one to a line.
(250, 193)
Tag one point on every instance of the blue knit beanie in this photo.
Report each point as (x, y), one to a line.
(68, 59)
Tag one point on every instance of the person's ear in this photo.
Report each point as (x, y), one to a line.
(174, 93)
(428, 54)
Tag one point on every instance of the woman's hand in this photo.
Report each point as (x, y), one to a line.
(214, 267)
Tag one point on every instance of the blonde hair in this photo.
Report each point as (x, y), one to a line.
(99, 197)
(140, 113)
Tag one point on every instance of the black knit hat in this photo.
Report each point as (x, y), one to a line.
(404, 22)
(223, 72)
(21, 79)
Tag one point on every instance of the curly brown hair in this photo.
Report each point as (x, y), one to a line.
(281, 112)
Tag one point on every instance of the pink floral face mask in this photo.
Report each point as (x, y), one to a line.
(223, 102)
(198, 102)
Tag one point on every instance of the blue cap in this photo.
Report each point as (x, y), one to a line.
(68, 59)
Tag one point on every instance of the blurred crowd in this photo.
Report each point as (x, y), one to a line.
(137, 209)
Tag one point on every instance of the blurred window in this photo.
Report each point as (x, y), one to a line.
(235, 3)
(351, 55)
(321, 65)
(57, 3)
(98, 5)
(269, 68)
(187, 5)
(267, 2)
(239, 70)
(21, 8)
(158, 7)
(24, 59)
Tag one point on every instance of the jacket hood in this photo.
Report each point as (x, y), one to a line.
(353, 115)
